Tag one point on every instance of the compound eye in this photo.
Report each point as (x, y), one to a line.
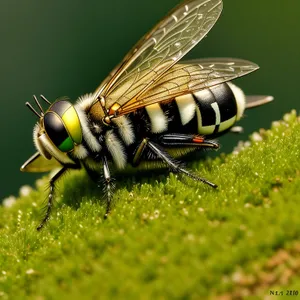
(57, 132)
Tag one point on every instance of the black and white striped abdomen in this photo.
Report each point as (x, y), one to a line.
(218, 108)
(207, 112)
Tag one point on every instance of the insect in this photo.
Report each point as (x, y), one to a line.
(150, 107)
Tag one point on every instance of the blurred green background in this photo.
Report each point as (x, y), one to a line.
(65, 48)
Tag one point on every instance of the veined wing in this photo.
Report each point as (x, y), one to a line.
(190, 76)
(159, 50)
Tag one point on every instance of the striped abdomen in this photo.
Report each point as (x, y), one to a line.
(207, 112)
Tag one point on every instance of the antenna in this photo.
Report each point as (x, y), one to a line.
(32, 109)
(38, 104)
(45, 99)
(41, 114)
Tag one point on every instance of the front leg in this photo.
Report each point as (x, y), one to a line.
(51, 196)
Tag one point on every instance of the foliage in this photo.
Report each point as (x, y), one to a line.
(166, 238)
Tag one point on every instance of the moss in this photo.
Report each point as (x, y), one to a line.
(166, 238)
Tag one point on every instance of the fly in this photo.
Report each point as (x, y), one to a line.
(152, 106)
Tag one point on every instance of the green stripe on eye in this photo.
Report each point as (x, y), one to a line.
(66, 145)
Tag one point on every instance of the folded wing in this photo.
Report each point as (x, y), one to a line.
(188, 77)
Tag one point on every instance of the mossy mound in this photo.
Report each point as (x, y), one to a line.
(166, 238)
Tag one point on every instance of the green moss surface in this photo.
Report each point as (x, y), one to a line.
(166, 238)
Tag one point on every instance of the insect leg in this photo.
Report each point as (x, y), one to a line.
(109, 185)
(51, 195)
(108, 182)
(174, 165)
(139, 152)
(179, 140)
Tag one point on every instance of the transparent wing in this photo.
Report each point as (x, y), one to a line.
(190, 76)
(159, 50)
